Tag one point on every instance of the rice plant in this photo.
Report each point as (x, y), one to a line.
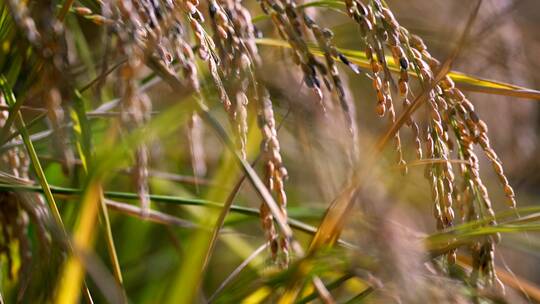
(227, 151)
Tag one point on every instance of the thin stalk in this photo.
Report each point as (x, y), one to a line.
(102, 75)
(220, 220)
(13, 108)
(359, 297)
(153, 215)
(63, 191)
(29, 125)
(111, 248)
(333, 285)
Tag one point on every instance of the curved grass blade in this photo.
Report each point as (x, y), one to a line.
(236, 272)
(464, 81)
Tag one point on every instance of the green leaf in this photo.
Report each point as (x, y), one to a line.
(464, 81)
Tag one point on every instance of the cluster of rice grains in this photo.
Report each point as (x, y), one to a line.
(297, 28)
(240, 59)
(16, 212)
(178, 31)
(46, 35)
(136, 107)
(449, 113)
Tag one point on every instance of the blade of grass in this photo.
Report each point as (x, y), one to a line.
(464, 81)
(469, 231)
(14, 106)
(28, 125)
(235, 242)
(439, 241)
(81, 128)
(511, 280)
(10, 184)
